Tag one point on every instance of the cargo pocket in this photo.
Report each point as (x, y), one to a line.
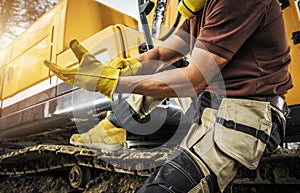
(242, 129)
(197, 132)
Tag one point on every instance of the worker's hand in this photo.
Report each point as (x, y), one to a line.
(128, 66)
(91, 74)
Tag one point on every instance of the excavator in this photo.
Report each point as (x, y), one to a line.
(39, 112)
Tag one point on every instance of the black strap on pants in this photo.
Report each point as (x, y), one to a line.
(276, 137)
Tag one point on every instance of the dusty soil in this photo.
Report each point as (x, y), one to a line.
(107, 182)
(35, 183)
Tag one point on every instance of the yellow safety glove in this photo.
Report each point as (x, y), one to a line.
(128, 66)
(190, 8)
(91, 74)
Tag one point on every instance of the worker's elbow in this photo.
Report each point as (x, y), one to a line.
(198, 91)
(198, 88)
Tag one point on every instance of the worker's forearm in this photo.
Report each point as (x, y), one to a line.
(162, 55)
(172, 83)
(181, 82)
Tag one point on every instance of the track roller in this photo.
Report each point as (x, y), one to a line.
(79, 177)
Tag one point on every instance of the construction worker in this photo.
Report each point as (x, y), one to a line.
(232, 91)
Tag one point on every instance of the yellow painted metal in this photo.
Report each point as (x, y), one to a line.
(106, 44)
(85, 18)
(27, 69)
(33, 35)
(292, 23)
(3, 58)
(132, 40)
(24, 67)
(113, 41)
(49, 37)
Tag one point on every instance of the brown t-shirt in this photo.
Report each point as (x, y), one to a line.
(251, 35)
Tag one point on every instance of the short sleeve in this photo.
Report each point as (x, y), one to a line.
(228, 25)
(184, 30)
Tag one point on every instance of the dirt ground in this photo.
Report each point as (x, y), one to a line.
(107, 182)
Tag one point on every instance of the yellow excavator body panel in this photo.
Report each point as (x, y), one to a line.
(292, 24)
(49, 36)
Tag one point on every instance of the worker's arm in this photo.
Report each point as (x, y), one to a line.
(180, 82)
(163, 55)
(106, 79)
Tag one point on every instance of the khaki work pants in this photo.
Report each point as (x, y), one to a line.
(229, 133)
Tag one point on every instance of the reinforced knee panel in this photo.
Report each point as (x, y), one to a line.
(181, 174)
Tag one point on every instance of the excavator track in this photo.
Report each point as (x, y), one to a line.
(278, 170)
(277, 173)
(43, 158)
(87, 167)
